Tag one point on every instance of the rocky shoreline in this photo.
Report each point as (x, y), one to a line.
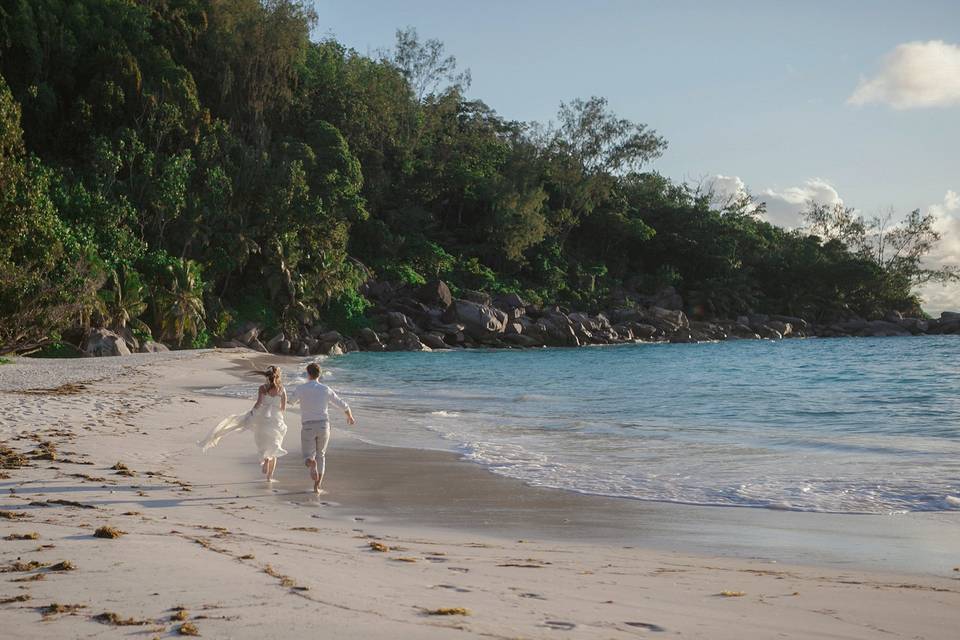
(428, 317)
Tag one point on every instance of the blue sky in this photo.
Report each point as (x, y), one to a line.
(758, 91)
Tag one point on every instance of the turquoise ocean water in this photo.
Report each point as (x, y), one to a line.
(844, 426)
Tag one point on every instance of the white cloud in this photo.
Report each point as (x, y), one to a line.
(951, 203)
(938, 297)
(784, 205)
(727, 186)
(914, 75)
(724, 189)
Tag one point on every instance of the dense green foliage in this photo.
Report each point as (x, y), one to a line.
(176, 166)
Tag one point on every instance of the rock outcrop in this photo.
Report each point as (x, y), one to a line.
(101, 342)
(479, 320)
(429, 317)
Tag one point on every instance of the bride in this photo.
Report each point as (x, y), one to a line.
(265, 419)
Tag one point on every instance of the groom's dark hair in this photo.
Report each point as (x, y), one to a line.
(313, 370)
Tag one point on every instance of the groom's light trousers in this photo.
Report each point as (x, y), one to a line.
(314, 438)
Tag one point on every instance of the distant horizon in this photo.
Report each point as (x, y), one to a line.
(747, 99)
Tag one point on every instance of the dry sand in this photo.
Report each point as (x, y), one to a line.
(207, 543)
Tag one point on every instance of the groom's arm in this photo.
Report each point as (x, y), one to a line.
(337, 401)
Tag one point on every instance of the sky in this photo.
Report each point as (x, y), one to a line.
(852, 101)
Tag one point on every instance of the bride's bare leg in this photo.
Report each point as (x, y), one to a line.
(264, 465)
(271, 467)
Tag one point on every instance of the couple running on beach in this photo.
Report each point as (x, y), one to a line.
(266, 421)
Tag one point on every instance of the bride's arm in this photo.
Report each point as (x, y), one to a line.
(259, 397)
(283, 400)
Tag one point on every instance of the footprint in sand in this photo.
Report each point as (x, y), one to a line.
(459, 569)
(649, 626)
(452, 587)
(561, 626)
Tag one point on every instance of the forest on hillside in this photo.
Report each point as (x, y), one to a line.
(177, 167)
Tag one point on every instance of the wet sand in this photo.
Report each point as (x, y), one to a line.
(444, 492)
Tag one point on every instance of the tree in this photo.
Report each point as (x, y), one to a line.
(425, 67)
(180, 303)
(836, 222)
(896, 249)
(125, 301)
(900, 248)
(48, 276)
(602, 142)
(247, 64)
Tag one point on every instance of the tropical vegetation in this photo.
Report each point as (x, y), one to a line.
(173, 167)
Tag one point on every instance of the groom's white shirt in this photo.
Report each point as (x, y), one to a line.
(314, 398)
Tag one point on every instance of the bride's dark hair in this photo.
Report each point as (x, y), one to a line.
(272, 374)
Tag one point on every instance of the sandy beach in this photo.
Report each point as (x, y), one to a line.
(404, 544)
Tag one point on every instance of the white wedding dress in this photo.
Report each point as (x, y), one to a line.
(266, 422)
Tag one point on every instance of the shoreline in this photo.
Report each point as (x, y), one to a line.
(203, 532)
(473, 499)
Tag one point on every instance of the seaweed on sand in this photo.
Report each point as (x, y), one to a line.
(109, 617)
(33, 578)
(87, 476)
(56, 608)
(20, 567)
(68, 389)
(23, 597)
(13, 515)
(63, 565)
(11, 458)
(285, 581)
(108, 532)
(379, 546)
(45, 450)
(123, 470)
(448, 611)
(33, 535)
(188, 629)
(63, 503)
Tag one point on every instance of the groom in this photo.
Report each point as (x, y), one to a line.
(314, 397)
